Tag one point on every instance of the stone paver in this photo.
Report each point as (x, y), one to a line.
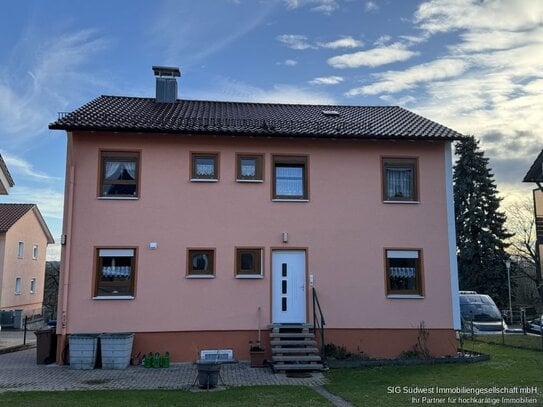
(19, 372)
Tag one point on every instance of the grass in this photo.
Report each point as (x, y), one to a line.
(376, 386)
(518, 341)
(240, 396)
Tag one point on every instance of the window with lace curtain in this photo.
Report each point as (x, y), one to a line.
(403, 272)
(205, 167)
(115, 272)
(119, 174)
(400, 180)
(249, 167)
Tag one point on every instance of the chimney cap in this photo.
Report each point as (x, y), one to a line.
(166, 71)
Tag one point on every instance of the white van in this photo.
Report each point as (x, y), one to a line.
(480, 311)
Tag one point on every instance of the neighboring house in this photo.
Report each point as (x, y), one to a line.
(195, 223)
(6, 182)
(535, 175)
(24, 237)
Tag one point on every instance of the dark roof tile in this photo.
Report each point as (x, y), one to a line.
(119, 113)
(11, 213)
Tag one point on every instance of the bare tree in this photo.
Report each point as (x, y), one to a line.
(523, 245)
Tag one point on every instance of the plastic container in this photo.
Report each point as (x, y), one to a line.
(83, 351)
(116, 350)
(46, 346)
(208, 373)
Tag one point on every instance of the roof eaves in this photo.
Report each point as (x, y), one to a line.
(535, 173)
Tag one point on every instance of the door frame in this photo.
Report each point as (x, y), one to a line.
(308, 287)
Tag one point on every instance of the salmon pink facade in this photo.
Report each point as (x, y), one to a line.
(195, 239)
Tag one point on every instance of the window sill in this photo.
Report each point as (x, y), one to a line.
(250, 276)
(118, 198)
(17, 293)
(250, 181)
(199, 277)
(290, 200)
(203, 180)
(401, 202)
(113, 297)
(405, 296)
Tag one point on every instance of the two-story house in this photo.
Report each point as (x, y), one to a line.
(196, 223)
(24, 237)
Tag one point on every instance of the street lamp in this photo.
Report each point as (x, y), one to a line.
(508, 267)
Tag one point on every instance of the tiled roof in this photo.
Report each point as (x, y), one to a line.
(535, 173)
(11, 213)
(118, 113)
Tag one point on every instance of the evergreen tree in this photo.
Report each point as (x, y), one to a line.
(480, 230)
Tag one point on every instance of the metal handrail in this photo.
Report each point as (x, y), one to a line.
(318, 323)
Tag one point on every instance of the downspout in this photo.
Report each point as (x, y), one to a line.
(451, 229)
(68, 222)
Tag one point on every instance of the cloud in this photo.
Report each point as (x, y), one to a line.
(371, 6)
(448, 15)
(396, 81)
(326, 80)
(20, 167)
(180, 33)
(294, 41)
(288, 62)
(345, 42)
(374, 57)
(232, 90)
(326, 7)
(32, 89)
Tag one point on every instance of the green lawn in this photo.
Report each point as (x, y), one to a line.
(376, 386)
(518, 341)
(241, 396)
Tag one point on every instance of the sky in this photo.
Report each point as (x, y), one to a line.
(473, 65)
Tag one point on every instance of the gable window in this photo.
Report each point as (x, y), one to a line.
(205, 167)
(290, 178)
(249, 168)
(248, 263)
(35, 252)
(400, 179)
(403, 272)
(200, 263)
(115, 273)
(119, 174)
(33, 286)
(21, 250)
(18, 284)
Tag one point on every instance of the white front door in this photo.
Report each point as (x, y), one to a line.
(288, 286)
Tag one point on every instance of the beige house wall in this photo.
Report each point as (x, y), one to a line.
(29, 231)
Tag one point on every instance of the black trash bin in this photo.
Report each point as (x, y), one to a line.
(46, 346)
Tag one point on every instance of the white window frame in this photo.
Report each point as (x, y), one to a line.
(35, 252)
(18, 285)
(33, 286)
(21, 250)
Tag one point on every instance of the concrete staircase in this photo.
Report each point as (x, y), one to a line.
(294, 348)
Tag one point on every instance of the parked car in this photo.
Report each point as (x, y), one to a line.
(533, 327)
(480, 314)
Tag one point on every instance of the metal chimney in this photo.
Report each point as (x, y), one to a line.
(166, 84)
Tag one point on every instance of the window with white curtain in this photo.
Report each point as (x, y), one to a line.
(115, 272)
(205, 167)
(249, 167)
(400, 179)
(290, 178)
(403, 268)
(119, 175)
